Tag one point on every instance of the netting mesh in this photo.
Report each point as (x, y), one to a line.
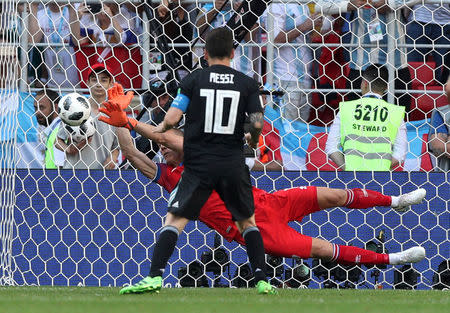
(8, 107)
(80, 224)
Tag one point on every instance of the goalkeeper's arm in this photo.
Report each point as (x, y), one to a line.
(137, 158)
(170, 139)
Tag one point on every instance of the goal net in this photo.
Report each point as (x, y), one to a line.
(95, 223)
(8, 107)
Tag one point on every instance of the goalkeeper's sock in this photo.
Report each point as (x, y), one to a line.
(363, 198)
(353, 255)
(163, 250)
(255, 252)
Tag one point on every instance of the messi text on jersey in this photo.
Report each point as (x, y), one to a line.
(221, 78)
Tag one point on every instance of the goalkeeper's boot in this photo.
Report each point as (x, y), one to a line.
(411, 255)
(264, 288)
(148, 284)
(410, 198)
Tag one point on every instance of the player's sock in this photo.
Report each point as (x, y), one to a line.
(354, 255)
(363, 198)
(255, 252)
(163, 250)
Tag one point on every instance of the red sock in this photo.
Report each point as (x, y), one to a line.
(353, 255)
(363, 198)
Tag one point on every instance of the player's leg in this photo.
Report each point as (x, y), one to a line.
(255, 246)
(347, 255)
(357, 198)
(184, 204)
(288, 242)
(235, 189)
(284, 241)
(165, 245)
(255, 251)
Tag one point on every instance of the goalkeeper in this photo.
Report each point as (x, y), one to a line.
(273, 211)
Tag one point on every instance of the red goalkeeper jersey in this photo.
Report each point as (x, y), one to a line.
(214, 213)
(273, 211)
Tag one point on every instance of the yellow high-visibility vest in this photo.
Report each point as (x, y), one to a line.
(369, 127)
(49, 150)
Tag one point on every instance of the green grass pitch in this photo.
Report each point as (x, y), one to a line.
(212, 300)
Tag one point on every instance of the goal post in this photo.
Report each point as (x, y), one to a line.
(9, 72)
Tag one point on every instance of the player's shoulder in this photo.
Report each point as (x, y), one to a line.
(192, 75)
(245, 81)
(169, 168)
(189, 80)
(165, 171)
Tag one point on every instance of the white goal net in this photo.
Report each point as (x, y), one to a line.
(93, 220)
(9, 67)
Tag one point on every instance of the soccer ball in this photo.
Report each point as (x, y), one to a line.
(84, 131)
(74, 109)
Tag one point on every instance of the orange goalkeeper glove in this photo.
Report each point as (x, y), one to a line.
(116, 95)
(115, 116)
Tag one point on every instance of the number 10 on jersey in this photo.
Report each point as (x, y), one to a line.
(215, 102)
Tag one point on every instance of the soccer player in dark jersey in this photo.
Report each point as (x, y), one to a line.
(216, 101)
(273, 211)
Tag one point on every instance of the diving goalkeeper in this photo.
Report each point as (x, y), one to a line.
(273, 211)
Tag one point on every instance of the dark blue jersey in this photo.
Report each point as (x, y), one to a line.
(216, 101)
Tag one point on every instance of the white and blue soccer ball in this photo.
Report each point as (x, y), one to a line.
(84, 131)
(74, 109)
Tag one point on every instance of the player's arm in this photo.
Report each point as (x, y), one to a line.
(111, 161)
(256, 126)
(255, 111)
(137, 158)
(114, 108)
(115, 116)
(172, 117)
(174, 114)
(169, 139)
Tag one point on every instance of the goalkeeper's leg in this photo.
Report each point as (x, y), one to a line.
(347, 255)
(164, 248)
(365, 198)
